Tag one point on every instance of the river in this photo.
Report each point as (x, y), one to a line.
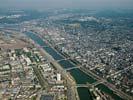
(79, 76)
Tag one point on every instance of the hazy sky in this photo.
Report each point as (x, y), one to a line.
(42, 4)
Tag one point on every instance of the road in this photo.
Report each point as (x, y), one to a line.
(40, 77)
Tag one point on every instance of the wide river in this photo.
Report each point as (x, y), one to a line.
(79, 76)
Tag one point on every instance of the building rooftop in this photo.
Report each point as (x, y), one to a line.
(47, 97)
